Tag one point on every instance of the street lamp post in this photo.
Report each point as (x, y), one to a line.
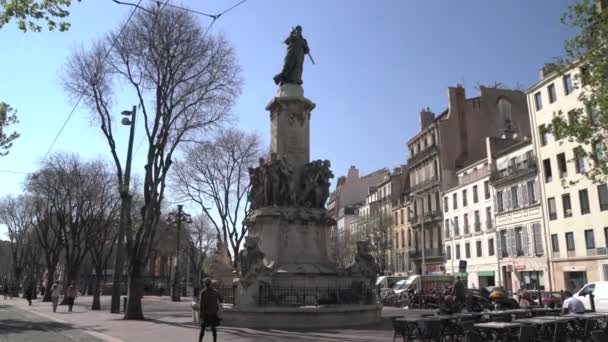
(125, 214)
(177, 217)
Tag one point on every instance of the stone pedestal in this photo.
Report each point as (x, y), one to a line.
(290, 125)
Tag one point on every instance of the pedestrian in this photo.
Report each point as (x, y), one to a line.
(571, 304)
(5, 290)
(70, 295)
(29, 293)
(459, 291)
(209, 309)
(42, 290)
(55, 295)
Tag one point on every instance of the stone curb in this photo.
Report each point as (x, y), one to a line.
(93, 333)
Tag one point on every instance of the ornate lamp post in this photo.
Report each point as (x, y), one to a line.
(177, 217)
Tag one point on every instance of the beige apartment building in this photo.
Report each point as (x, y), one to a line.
(521, 252)
(445, 144)
(576, 215)
(400, 241)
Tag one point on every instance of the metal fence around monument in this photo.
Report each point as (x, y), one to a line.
(227, 293)
(312, 296)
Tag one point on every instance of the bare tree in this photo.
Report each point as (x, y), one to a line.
(186, 82)
(16, 214)
(343, 246)
(201, 239)
(377, 230)
(216, 173)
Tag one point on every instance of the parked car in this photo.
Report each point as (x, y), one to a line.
(384, 282)
(550, 299)
(600, 293)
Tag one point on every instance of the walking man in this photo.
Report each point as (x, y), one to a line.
(70, 295)
(29, 293)
(209, 307)
(55, 294)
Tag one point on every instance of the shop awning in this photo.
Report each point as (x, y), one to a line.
(460, 274)
(485, 273)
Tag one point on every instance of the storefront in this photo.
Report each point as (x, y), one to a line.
(574, 281)
(532, 280)
(486, 278)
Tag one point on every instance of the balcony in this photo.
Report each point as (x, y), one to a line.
(428, 253)
(433, 181)
(429, 217)
(422, 155)
(513, 171)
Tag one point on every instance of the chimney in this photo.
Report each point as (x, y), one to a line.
(457, 110)
(353, 174)
(426, 117)
(341, 181)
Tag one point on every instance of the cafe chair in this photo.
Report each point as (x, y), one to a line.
(599, 336)
(527, 334)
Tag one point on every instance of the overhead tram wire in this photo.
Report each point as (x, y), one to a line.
(80, 97)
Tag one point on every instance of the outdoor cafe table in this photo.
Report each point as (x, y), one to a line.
(592, 321)
(412, 328)
(541, 311)
(542, 325)
(498, 331)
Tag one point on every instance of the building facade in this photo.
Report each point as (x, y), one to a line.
(445, 144)
(521, 252)
(468, 227)
(576, 210)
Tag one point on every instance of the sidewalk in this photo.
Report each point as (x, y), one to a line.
(175, 325)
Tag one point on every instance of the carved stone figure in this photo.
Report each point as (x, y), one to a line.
(314, 186)
(287, 184)
(251, 262)
(257, 193)
(364, 265)
(297, 48)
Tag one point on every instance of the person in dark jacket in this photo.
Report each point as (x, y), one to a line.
(29, 293)
(209, 307)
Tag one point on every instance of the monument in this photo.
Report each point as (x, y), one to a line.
(285, 278)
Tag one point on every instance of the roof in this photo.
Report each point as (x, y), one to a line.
(512, 146)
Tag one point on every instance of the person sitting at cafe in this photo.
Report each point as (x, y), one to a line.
(571, 304)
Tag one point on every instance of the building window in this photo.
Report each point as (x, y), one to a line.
(503, 244)
(552, 208)
(475, 198)
(606, 236)
(589, 239)
(445, 204)
(467, 250)
(447, 228)
(531, 193)
(401, 217)
(567, 205)
(547, 168)
(397, 239)
(602, 194)
(402, 239)
(464, 198)
(499, 202)
(555, 244)
(551, 91)
(455, 201)
(478, 248)
(489, 224)
(490, 247)
(538, 239)
(396, 218)
(456, 228)
(562, 167)
(579, 159)
(409, 240)
(514, 200)
(583, 198)
(570, 242)
(477, 221)
(465, 223)
(567, 84)
(448, 252)
(486, 189)
(538, 101)
(543, 134)
(519, 249)
(457, 247)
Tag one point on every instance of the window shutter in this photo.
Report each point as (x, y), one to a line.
(524, 242)
(511, 247)
(524, 194)
(520, 199)
(498, 245)
(536, 194)
(506, 198)
(495, 202)
(538, 240)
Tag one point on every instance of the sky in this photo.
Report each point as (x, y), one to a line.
(378, 63)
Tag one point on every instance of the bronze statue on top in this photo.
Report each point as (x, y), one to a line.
(297, 49)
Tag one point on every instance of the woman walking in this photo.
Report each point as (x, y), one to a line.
(70, 295)
(55, 294)
(209, 307)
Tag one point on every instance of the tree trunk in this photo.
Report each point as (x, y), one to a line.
(97, 291)
(50, 278)
(135, 293)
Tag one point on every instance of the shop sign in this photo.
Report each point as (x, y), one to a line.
(519, 267)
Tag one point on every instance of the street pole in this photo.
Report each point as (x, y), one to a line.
(125, 216)
(176, 296)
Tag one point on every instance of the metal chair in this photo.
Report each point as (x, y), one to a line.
(527, 333)
(560, 332)
(474, 336)
(400, 328)
(432, 330)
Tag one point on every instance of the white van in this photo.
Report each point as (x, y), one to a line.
(600, 292)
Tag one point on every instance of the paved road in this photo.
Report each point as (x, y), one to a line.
(17, 325)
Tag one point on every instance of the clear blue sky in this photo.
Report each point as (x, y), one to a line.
(378, 63)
